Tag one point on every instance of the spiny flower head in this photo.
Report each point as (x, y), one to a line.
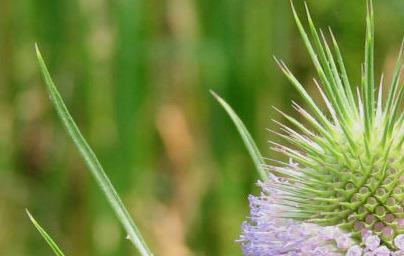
(342, 193)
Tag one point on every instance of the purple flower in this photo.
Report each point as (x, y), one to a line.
(268, 234)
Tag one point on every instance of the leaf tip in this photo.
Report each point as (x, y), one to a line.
(218, 98)
(28, 213)
(307, 10)
(214, 94)
(31, 218)
(38, 53)
(293, 8)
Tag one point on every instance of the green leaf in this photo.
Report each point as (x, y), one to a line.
(45, 235)
(93, 164)
(246, 137)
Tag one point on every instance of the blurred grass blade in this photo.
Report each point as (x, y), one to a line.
(93, 164)
(45, 235)
(247, 139)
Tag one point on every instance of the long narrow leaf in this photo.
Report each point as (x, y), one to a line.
(246, 137)
(93, 164)
(45, 235)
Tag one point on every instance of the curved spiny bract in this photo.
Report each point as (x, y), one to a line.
(347, 166)
(356, 153)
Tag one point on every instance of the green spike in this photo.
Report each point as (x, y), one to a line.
(346, 105)
(344, 76)
(395, 111)
(395, 81)
(368, 93)
(317, 63)
(327, 125)
(336, 96)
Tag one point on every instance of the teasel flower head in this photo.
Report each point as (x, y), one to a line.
(342, 192)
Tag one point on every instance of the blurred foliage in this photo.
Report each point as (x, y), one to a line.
(136, 76)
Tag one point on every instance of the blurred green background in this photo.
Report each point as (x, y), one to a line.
(136, 76)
